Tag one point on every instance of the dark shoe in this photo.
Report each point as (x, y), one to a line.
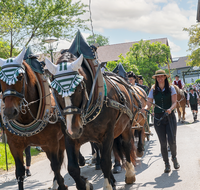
(176, 164)
(117, 169)
(28, 173)
(167, 168)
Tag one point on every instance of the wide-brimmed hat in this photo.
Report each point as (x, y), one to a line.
(160, 72)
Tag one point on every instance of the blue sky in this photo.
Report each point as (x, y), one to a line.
(132, 20)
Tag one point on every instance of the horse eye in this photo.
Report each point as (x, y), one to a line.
(20, 77)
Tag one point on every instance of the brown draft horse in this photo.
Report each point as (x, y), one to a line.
(140, 120)
(101, 130)
(51, 138)
(181, 103)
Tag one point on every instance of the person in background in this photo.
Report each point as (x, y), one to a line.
(192, 100)
(178, 82)
(140, 79)
(165, 97)
(131, 78)
(28, 161)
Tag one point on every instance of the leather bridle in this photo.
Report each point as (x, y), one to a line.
(75, 110)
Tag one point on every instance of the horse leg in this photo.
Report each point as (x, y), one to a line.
(183, 112)
(81, 159)
(140, 148)
(105, 162)
(20, 169)
(73, 167)
(179, 114)
(97, 164)
(128, 146)
(60, 158)
(17, 153)
(93, 153)
(56, 154)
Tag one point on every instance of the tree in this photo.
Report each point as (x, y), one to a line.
(24, 21)
(145, 58)
(5, 49)
(197, 81)
(194, 44)
(101, 40)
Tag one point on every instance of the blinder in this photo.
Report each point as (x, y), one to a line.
(11, 92)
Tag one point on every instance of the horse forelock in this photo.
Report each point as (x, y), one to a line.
(66, 57)
(30, 74)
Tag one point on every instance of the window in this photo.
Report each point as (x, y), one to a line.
(178, 71)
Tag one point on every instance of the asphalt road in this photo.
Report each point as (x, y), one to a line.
(149, 169)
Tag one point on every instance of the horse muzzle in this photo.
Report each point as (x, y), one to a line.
(11, 113)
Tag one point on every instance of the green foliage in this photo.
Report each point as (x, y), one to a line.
(24, 21)
(101, 40)
(144, 58)
(11, 162)
(197, 81)
(194, 44)
(5, 49)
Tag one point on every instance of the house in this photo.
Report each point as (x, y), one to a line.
(187, 73)
(111, 52)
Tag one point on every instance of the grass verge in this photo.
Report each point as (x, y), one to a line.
(11, 162)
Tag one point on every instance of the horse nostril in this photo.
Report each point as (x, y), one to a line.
(15, 112)
(80, 131)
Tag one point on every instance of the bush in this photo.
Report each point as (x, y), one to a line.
(197, 81)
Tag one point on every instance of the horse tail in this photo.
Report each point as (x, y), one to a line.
(120, 152)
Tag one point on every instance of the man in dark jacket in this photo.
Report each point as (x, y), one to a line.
(192, 100)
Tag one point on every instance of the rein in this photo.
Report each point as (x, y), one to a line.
(25, 105)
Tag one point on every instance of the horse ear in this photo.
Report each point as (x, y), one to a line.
(20, 57)
(2, 61)
(77, 64)
(50, 66)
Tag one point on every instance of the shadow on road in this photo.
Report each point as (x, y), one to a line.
(165, 180)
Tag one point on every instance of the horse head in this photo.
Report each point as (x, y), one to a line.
(69, 83)
(13, 79)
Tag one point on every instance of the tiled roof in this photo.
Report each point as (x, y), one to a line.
(112, 52)
(178, 63)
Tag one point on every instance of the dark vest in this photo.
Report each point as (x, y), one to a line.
(193, 99)
(178, 83)
(163, 100)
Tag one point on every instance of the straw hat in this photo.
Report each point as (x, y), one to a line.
(159, 72)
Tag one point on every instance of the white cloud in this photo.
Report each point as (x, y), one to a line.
(174, 47)
(148, 16)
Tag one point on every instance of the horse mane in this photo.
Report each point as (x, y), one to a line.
(30, 74)
(178, 90)
(66, 57)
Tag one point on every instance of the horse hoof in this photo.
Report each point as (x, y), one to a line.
(139, 154)
(130, 180)
(89, 186)
(114, 188)
(98, 167)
